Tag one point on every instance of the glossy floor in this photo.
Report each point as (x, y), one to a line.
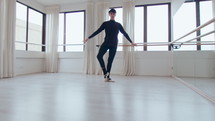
(78, 97)
(207, 85)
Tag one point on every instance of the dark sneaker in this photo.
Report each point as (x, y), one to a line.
(107, 78)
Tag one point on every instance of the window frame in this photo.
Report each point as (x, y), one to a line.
(145, 27)
(64, 27)
(27, 27)
(198, 20)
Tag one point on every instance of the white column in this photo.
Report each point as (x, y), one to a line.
(7, 37)
(128, 23)
(52, 31)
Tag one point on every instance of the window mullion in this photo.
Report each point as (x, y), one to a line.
(145, 27)
(44, 33)
(169, 26)
(64, 36)
(198, 33)
(27, 28)
(84, 29)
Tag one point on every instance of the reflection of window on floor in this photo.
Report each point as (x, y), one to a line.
(186, 20)
(71, 31)
(29, 28)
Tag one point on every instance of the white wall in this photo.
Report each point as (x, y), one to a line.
(184, 63)
(71, 62)
(194, 64)
(147, 63)
(176, 4)
(154, 63)
(29, 62)
(33, 4)
(73, 7)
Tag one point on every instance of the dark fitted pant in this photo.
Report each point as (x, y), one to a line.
(112, 52)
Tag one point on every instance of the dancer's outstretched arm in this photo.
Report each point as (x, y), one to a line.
(101, 28)
(126, 35)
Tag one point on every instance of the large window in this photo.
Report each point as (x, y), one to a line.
(29, 28)
(152, 25)
(35, 30)
(157, 26)
(71, 31)
(61, 38)
(184, 22)
(206, 14)
(21, 26)
(190, 16)
(139, 27)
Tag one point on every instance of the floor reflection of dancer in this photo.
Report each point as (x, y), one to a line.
(112, 29)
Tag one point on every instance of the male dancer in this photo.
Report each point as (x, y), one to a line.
(112, 29)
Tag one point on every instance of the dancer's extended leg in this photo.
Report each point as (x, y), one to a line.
(102, 51)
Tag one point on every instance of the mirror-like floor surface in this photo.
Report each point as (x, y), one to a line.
(79, 97)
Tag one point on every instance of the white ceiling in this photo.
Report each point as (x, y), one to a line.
(57, 2)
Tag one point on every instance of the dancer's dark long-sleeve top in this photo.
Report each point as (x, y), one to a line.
(112, 29)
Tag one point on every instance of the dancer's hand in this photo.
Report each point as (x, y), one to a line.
(133, 44)
(86, 40)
